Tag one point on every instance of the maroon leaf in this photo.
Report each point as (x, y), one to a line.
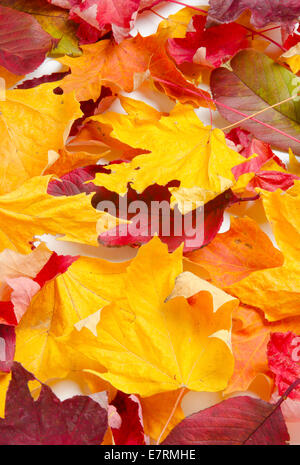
(129, 430)
(210, 47)
(30, 83)
(170, 225)
(236, 421)
(48, 421)
(263, 12)
(255, 83)
(284, 360)
(23, 42)
(7, 347)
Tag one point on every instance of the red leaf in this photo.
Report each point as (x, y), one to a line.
(284, 361)
(236, 421)
(263, 12)
(57, 264)
(272, 180)
(48, 421)
(269, 180)
(210, 47)
(7, 347)
(23, 42)
(130, 431)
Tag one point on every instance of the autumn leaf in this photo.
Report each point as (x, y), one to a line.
(209, 47)
(101, 16)
(47, 420)
(113, 68)
(237, 253)
(190, 152)
(276, 291)
(156, 414)
(25, 146)
(250, 336)
(270, 172)
(283, 359)
(24, 44)
(68, 295)
(263, 13)
(53, 20)
(18, 283)
(30, 211)
(292, 58)
(255, 83)
(158, 343)
(239, 421)
(142, 226)
(126, 420)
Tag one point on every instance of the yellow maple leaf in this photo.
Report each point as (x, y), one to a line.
(151, 345)
(30, 211)
(86, 286)
(188, 151)
(33, 122)
(276, 291)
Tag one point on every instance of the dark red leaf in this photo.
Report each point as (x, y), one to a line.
(48, 421)
(263, 12)
(144, 224)
(30, 83)
(236, 421)
(23, 42)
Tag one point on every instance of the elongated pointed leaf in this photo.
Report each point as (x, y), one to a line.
(255, 83)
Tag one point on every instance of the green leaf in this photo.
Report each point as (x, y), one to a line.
(53, 20)
(255, 83)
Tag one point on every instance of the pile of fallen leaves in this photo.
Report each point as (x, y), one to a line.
(214, 312)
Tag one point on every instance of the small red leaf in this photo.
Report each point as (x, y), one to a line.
(130, 431)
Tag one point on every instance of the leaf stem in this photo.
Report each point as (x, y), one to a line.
(276, 406)
(259, 112)
(179, 397)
